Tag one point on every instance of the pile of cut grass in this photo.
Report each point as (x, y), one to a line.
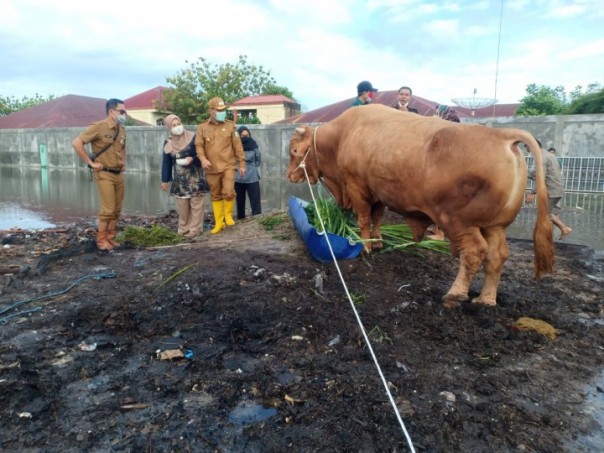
(343, 223)
(155, 236)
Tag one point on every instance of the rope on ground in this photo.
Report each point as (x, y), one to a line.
(58, 293)
(356, 314)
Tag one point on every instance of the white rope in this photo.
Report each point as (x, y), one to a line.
(356, 314)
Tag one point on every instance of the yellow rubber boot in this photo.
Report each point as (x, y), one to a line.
(218, 207)
(228, 212)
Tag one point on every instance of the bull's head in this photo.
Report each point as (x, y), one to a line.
(301, 150)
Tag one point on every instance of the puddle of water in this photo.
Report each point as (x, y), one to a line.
(13, 215)
(593, 406)
(248, 412)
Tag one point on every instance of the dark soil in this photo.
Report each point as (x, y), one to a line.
(276, 360)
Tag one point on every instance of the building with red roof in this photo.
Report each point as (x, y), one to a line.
(268, 108)
(148, 107)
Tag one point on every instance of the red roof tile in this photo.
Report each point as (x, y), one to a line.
(424, 107)
(66, 111)
(146, 100)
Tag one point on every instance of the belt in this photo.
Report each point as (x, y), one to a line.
(115, 171)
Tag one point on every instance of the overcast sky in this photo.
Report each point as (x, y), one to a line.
(319, 49)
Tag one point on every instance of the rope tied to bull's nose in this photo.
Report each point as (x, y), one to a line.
(302, 164)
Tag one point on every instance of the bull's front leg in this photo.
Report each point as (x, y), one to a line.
(363, 220)
(377, 214)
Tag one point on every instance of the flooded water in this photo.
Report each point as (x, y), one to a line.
(41, 198)
(38, 198)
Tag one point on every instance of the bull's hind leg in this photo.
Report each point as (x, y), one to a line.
(377, 214)
(497, 254)
(472, 249)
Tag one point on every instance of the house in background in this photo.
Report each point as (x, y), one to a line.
(146, 107)
(67, 111)
(268, 108)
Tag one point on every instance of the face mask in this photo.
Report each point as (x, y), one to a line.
(178, 130)
(220, 116)
(245, 139)
(369, 97)
(120, 119)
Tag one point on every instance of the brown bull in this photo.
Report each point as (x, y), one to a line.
(468, 179)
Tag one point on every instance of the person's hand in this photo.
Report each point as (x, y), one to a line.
(96, 166)
(205, 163)
(530, 198)
(242, 172)
(164, 186)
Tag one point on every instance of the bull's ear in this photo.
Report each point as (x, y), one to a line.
(300, 130)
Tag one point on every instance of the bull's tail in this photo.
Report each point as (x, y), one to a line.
(543, 242)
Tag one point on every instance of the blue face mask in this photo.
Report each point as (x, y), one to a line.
(220, 117)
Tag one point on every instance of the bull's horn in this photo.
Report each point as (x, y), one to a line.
(300, 130)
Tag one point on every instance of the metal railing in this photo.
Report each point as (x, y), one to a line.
(581, 174)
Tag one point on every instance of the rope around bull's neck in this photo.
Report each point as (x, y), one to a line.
(356, 314)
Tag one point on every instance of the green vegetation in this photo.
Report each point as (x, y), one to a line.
(175, 274)
(271, 221)
(544, 100)
(343, 223)
(193, 87)
(149, 237)
(10, 104)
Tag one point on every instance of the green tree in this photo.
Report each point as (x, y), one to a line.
(10, 104)
(194, 86)
(592, 101)
(542, 100)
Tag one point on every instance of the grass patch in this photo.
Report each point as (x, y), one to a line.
(271, 221)
(149, 237)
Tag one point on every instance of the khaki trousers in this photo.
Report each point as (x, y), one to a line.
(110, 188)
(222, 185)
(190, 214)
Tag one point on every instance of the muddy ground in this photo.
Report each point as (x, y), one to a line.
(274, 358)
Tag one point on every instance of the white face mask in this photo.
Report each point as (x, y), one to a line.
(220, 116)
(178, 130)
(120, 119)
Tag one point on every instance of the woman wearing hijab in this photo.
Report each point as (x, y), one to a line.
(181, 166)
(250, 183)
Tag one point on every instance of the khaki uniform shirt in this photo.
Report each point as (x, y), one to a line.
(221, 145)
(99, 134)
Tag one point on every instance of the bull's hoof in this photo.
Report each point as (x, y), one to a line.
(377, 245)
(451, 304)
(485, 302)
(454, 300)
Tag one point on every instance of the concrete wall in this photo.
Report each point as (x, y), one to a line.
(571, 135)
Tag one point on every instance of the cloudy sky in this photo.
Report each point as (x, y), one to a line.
(319, 49)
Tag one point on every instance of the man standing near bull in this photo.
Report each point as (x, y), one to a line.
(219, 147)
(403, 100)
(365, 93)
(108, 163)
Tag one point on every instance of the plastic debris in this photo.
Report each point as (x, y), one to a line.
(170, 354)
(24, 415)
(334, 341)
(83, 346)
(297, 338)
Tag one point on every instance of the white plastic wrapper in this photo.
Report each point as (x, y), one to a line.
(184, 161)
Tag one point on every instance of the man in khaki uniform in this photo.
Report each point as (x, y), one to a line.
(219, 148)
(107, 139)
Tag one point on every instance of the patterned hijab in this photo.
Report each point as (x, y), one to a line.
(176, 143)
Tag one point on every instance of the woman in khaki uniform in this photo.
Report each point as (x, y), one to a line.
(107, 139)
(219, 148)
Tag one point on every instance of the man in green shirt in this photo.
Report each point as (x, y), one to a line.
(365, 94)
